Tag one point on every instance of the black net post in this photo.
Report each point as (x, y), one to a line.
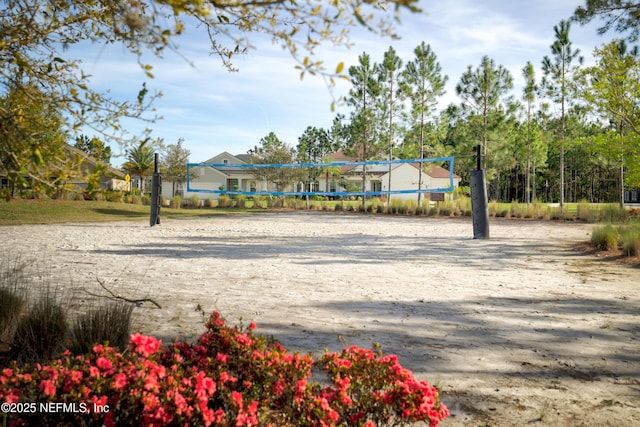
(156, 193)
(479, 202)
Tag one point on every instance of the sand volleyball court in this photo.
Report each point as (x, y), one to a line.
(521, 329)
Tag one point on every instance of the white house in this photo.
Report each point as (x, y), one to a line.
(209, 178)
(402, 176)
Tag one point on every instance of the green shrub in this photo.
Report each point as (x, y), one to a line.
(193, 201)
(493, 208)
(275, 202)
(557, 214)
(339, 206)
(605, 237)
(613, 213)
(136, 200)
(539, 210)
(40, 334)
(12, 304)
(209, 202)
(175, 202)
(517, 210)
(229, 376)
(442, 209)
(258, 202)
(410, 206)
(529, 211)
(241, 201)
(110, 323)
(12, 298)
(114, 196)
(630, 238)
(463, 205)
(224, 201)
(584, 212)
(396, 206)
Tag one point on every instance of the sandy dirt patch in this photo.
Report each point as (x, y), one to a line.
(521, 329)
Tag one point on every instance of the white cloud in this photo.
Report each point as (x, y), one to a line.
(214, 110)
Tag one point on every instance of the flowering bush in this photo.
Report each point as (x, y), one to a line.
(229, 377)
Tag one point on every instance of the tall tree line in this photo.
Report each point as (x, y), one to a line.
(571, 135)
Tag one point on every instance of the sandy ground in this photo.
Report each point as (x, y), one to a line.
(521, 329)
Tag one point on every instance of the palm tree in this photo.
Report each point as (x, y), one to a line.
(330, 172)
(140, 161)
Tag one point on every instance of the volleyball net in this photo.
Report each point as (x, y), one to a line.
(334, 179)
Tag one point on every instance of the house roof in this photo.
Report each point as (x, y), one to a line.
(247, 158)
(431, 169)
(71, 150)
(435, 171)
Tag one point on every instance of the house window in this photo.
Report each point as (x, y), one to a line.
(312, 186)
(225, 161)
(4, 182)
(232, 185)
(333, 187)
(252, 186)
(376, 186)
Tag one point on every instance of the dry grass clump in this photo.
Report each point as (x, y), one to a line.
(605, 238)
(12, 299)
(630, 240)
(110, 323)
(40, 325)
(41, 332)
(625, 238)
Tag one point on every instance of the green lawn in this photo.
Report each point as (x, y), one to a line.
(59, 211)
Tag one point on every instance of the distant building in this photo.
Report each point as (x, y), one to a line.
(404, 176)
(632, 196)
(110, 178)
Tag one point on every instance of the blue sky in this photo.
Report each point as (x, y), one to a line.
(215, 111)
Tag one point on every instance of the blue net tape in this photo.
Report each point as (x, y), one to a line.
(236, 166)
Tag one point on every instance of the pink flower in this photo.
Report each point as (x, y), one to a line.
(13, 396)
(333, 416)
(208, 416)
(94, 372)
(181, 403)
(205, 386)
(104, 364)
(252, 326)
(301, 386)
(225, 377)
(244, 339)
(342, 363)
(120, 380)
(76, 376)
(279, 387)
(151, 383)
(48, 387)
(145, 345)
(237, 398)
